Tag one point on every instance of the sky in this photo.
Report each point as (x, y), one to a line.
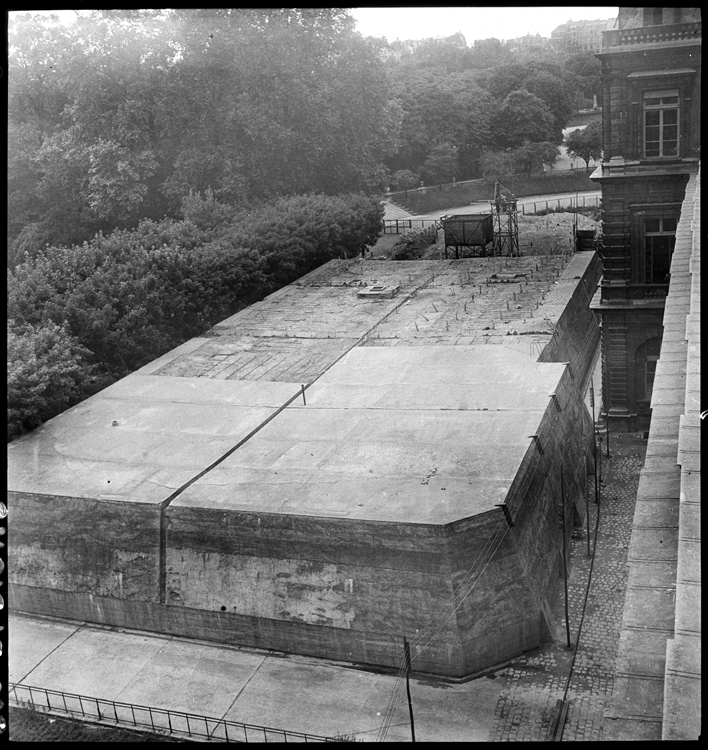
(475, 22)
(479, 22)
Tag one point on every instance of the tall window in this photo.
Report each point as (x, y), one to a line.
(661, 121)
(646, 358)
(659, 241)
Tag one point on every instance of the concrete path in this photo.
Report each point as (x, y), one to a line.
(526, 201)
(515, 703)
(592, 197)
(276, 690)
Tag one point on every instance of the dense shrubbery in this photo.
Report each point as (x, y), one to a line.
(130, 296)
(47, 371)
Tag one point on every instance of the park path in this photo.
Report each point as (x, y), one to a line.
(392, 211)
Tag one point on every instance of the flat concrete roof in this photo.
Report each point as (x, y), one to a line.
(435, 387)
(414, 434)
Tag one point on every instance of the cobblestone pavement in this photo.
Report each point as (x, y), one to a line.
(531, 686)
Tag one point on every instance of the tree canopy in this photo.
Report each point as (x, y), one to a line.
(586, 143)
(116, 118)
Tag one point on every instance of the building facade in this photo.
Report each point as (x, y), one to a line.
(651, 136)
(579, 36)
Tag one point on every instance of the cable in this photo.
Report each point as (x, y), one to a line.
(466, 587)
(582, 614)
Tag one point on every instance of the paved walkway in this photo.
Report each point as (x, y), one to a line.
(328, 698)
(530, 688)
(391, 211)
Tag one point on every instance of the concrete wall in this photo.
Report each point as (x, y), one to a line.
(82, 545)
(508, 612)
(339, 588)
(577, 335)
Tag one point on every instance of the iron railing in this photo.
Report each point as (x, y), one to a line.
(399, 226)
(445, 186)
(582, 201)
(158, 720)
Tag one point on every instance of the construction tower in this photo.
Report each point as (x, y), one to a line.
(506, 226)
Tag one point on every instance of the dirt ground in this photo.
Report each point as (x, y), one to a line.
(26, 725)
(538, 235)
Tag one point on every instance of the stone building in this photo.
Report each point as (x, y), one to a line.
(579, 36)
(651, 132)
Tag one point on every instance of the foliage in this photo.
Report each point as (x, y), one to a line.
(411, 241)
(438, 108)
(533, 157)
(441, 164)
(116, 117)
(587, 70)
(132, 295)
(522, 116)
(497, 165)
(47, 370)
(404, 179)
(585, 144)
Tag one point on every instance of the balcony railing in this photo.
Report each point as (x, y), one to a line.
(651, 34)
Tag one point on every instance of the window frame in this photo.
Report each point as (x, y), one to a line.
(648, 233)
(640, 213)
(661, 108)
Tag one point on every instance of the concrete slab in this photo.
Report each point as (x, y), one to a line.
(654, 543)
(30, 642)
(336, 692)
(391, 462)
(649, 608)
(656, 512)
(85, 662)
(192, 677)
(642, 651)
(156, 444)
(354, 703)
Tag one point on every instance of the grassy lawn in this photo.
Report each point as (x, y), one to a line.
(551, 234)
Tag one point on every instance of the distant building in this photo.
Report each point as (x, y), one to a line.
(580, 36)
(527, 42)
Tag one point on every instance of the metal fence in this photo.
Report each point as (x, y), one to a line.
(463, 183)
(399, 226)
(158, 720)
(554, 204)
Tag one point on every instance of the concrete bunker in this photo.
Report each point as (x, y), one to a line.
(242, 512)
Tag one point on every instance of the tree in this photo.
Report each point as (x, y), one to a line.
(130, 296)
(404, 179)
(532, 157)
(441, 164)
(523, 117)
(555, 92)
(441, 108)
(587, 70)
(497, 165)
(47, 370)
(117, 117)
(586, 143)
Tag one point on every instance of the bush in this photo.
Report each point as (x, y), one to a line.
(47, 371)
(404, 179)
(409, 243)
(130, 296)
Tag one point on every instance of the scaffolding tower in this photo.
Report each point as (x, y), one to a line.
(506, 225)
